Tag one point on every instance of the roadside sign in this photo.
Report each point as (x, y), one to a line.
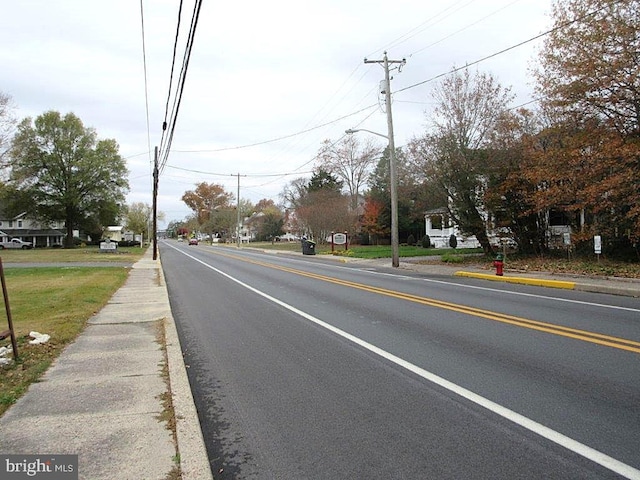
(339, 238)
(597, 244)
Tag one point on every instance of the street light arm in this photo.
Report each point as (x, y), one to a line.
(351, 131)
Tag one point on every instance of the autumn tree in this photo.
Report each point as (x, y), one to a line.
(588, 79)
(320, 206)
(68, 173)
(370, 222)
(455, 155)
(267, 220)
(588, 66)
(512, 195)
(211, 207)
(206, 198)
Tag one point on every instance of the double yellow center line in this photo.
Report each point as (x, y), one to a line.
(585, 336)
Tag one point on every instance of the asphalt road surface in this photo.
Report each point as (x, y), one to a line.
(304, 367)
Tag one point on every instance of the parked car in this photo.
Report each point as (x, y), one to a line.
(193, 241)
(16, 243)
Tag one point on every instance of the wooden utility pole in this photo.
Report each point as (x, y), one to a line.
(14, 343)
(238, 226)
(155, 204)
(395, 245)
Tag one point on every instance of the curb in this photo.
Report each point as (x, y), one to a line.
(538, 282)
(194, 463)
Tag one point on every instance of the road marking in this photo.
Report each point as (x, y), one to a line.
(577, 334)
(375, 271)
(558, 438)
(533, 295)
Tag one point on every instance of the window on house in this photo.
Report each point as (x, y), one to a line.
(436, 222)
(559, 218)
(10, 223)
(19, 223)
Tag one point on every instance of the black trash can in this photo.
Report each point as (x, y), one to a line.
(308, 247)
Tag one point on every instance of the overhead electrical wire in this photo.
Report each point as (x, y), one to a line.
(295, 171)
(239, 147)
(427, 23)
(146, 90)
(171, 124)
(173, 63)
(559, 27)
(463, 28)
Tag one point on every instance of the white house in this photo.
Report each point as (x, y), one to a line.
(114, 233)
(29, 230)
(439, 226)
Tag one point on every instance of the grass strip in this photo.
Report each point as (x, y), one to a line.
(57, 301)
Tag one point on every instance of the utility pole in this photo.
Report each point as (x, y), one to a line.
(155, 204)
(238, 215)
(395, 247)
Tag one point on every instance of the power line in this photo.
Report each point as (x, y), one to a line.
(252, 175)
(183, 78)
(427, 23)
(397, 91)
(278, 139)
(464, 28)
(559, 27)
(146, 90)
(173, 63)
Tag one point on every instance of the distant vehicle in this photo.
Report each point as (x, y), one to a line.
(288, 237)
(193, 241)
(16, 243)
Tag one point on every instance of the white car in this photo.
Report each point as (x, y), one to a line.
(16, 243)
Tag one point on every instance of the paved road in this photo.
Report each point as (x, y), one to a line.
(306, 369)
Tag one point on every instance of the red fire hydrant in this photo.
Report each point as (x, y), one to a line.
(499, 264)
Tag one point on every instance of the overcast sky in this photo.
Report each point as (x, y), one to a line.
(268, 81)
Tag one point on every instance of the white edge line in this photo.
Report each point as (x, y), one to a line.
(558, 438)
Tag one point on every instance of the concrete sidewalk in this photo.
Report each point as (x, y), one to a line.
(102, 399)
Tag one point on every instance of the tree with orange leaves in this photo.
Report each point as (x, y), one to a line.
(589, 80)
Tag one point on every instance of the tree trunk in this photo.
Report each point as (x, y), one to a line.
(481, 236)
(68, 241)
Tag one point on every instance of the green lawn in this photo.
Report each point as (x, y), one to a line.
(54, 300)
(64, 255)
(366, 251)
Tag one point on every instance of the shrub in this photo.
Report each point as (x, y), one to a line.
(453, 241)
(451, 258)
(128, 243)
(426, 241)
(411, 240)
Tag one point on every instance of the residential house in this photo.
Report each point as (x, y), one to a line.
(29, 230)
(439, 226)
(114, 233)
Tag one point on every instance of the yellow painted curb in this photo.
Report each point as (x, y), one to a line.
(539, 282)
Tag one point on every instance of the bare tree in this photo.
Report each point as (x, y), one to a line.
(350, 161)
(7, 123)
